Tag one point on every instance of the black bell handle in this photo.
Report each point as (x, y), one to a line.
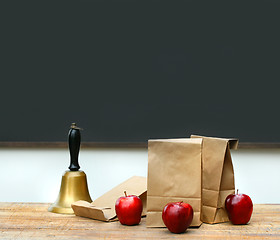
(74, 141)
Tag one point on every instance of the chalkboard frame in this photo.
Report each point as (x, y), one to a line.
(121, 145)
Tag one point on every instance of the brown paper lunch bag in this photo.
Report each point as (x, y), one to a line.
(197, 170)
(103, 208)
(217, 177)
(174, 174)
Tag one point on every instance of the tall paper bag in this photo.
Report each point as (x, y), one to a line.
(174, 174)
(217, 177)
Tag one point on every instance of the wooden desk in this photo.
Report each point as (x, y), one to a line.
(33, 221)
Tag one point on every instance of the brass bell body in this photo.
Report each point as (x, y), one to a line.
(73, 188)
(74, 182)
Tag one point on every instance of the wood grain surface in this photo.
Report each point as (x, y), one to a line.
(33, 221)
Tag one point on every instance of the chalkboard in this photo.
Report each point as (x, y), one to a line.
(132, 70)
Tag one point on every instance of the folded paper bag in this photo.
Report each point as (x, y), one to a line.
(103, 208)
(217, 177)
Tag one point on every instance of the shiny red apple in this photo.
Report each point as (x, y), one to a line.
(129, 209)
(239, 208)
(177, 216)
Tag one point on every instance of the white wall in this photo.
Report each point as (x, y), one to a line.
(34, 175)
(257, 174)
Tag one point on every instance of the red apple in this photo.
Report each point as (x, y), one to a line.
(239, 208)
(129, 209)
(177, 216)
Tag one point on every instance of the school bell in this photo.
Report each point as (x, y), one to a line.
(74, 181)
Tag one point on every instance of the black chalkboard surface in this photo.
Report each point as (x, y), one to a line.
(131, 70)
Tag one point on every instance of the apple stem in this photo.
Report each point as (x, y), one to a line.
(180, 202)
(237, 191)
(125, 193)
